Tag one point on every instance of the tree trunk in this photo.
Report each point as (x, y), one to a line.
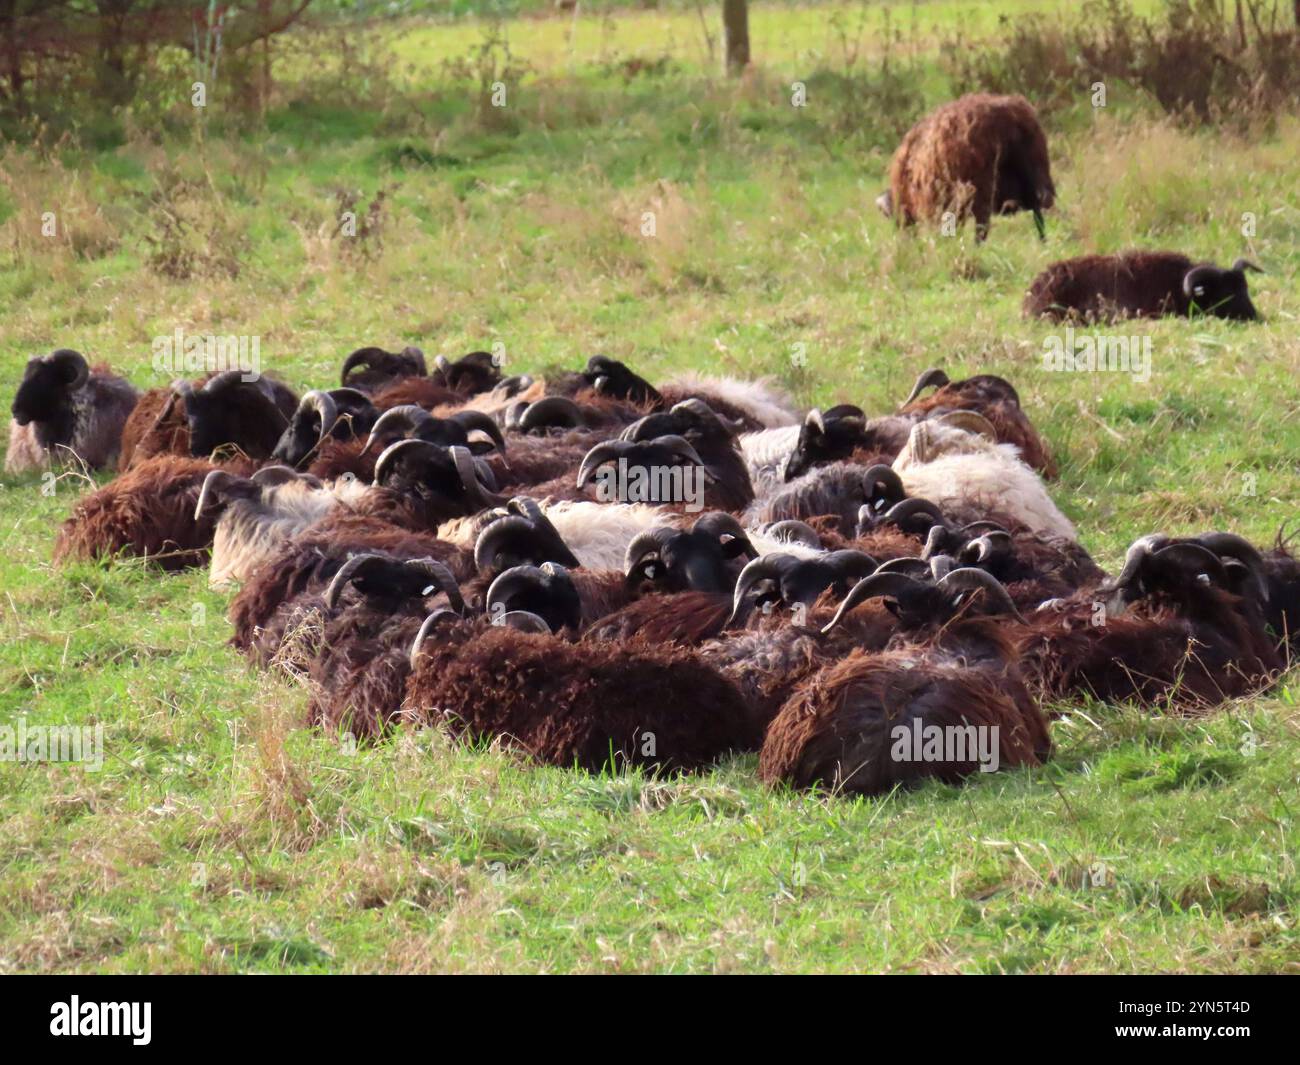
(735, 34)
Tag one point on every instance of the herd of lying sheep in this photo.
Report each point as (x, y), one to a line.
(600, 572)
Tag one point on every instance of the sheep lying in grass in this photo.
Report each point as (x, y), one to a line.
(1140, 284)
(66, 412)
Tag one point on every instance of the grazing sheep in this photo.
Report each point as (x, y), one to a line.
(64, 410)
(979, 155)
(147, 512)
(1140, 284)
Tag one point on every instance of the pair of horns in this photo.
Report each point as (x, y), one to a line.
(412, 418)
(463, 461)
(439, 577)
(372, 357)
(670, 450)
(71, 365)
(815, 575)
(523, 521)
(909, 592)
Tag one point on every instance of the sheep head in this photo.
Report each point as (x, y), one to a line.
(546, 591)
(611, 378)
(521, 535)
(370, 369)
(825, 438)
(673, 560)
(1222, 293)
(47, 385)
(790, 580)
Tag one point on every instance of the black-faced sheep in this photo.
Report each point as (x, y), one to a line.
(371, 370)
(340, 414)
(65, 411)
(1139, 284)
(979, 155)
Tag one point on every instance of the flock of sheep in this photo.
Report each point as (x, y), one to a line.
(442, 546)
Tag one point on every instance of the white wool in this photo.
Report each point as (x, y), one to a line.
(768, 545)
(765, 454)
(762, 400)
(599, 533)
(957, 470)
(248, 532)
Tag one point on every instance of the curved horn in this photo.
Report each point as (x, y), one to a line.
(350, 568)
(792, 530)
(389, 455)
(988, 545)
(651, 541)
(1196, 277)
(1193, 556)
(405, 418)
(718, 523)
(1229, 545)
(417, 356)
(1137, 552)
(933, 377)
(551, 412)
(508, 580)
(915, 507)
(1242, 265)
(71, 364)
(814, 420)
(440, 577)
(769, 567)
(323, 404)
(274, 476)
(523, 621)
(430, 623)
(889, 583)
(210, 482)
(935, 542)
(444, 367)
(969, 579)
(598, 456)
(470, 420)
(940, 566)
(911, 567)
(360, 357)
(971, 421)
(468, 472)
(880, 474)
(224, 380)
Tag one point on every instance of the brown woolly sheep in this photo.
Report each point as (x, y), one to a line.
(591, 706)
(988, 395)
(1139, 284)
(147, 511)
(66, 411)
(871, 722)
(979, 155)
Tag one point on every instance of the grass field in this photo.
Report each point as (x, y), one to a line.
(222, 836)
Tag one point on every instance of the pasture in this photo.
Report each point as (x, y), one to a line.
(220, 835)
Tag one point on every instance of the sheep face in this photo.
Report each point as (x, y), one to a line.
(1222, 293)
(47, 386)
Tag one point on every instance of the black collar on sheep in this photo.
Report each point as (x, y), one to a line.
(672, 560)
(791, 580)
(47, 386)
(521, 535)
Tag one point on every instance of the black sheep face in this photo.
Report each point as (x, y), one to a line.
(44, 392)
(611, 378)
(1222, 293)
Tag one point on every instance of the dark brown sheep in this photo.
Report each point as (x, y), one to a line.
(1139, 284)
(147, 512)
(590, 706)
(979, 155)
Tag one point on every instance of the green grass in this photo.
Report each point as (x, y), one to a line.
(220, 835)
